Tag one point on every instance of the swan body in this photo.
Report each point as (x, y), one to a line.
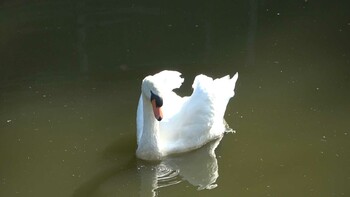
(168, 123)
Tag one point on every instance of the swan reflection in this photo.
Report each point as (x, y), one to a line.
(134, 177)
(199, 168)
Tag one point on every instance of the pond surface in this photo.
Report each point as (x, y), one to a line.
(70, 76)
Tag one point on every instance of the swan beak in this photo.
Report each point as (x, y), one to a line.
(158, 114)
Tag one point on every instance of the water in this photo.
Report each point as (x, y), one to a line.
(70, 80)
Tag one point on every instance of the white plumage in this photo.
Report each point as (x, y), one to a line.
(187, 122)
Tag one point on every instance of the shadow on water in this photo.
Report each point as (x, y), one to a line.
(143, 178)
(121, 155)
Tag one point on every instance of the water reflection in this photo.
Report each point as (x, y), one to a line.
(135, 177)
(199, 168)
(81, 37)
(251, 34)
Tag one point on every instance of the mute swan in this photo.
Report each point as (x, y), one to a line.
(168, 123)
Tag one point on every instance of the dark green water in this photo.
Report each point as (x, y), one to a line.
(70, 76)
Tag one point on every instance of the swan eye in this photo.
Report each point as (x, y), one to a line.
(158, 99)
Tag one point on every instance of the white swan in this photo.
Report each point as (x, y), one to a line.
(168, 123)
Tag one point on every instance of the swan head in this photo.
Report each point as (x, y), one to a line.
(153, 94)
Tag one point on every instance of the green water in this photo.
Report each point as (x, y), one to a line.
(70, 75)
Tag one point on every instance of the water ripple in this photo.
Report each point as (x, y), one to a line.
(167, 176)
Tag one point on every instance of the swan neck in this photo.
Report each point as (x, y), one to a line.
(149, 142)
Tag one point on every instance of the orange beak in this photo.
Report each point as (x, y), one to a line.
(158, 114)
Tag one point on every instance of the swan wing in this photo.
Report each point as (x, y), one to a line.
(200, 116)
(168, 80)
